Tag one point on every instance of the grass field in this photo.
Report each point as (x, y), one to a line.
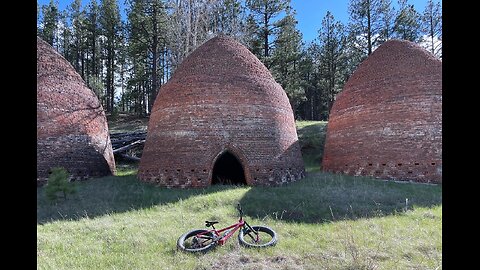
(324, 221)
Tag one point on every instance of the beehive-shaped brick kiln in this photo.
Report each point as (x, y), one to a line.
(221, 118)
(72, 129)
(387, 121)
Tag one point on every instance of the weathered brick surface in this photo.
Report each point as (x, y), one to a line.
(221, 98)
(387, 121)
(72, 130)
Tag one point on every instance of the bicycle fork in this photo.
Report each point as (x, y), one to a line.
(257, 235)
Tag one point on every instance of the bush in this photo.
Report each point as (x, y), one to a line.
(58, 182)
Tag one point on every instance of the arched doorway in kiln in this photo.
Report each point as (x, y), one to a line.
(228, 170)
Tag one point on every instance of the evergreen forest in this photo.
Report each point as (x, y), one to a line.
(125, 57)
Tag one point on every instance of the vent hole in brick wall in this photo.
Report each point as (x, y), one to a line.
(399, 164)
(416, 163)
(433, 163)
(192, 170)
(228, 170)
(384, 164)
(370, 164)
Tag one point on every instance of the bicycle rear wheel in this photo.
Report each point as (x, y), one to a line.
(264, 237)
(193, 242)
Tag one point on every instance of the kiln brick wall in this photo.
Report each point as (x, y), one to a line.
(72, 130)
(387, 122)
(221, 98)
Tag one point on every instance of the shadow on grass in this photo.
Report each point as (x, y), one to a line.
(320, 197)
(324, 197)
(113, 194)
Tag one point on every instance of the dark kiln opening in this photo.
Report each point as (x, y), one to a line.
(228, 171)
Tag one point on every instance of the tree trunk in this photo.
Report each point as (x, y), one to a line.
(108, 86)
(155, 58)
(369, 28)
(265, 33)
(112, 78)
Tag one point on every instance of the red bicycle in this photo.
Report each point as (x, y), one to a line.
(202, 240)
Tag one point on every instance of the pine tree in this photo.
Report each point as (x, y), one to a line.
(49, 25)
(65, 37)
(147, 38)
(38, 17)
(110, 25)
(78, 22)
(58, 182)
(286, 59)
(309, 81)
(252, 38)
(431, 26)
(407, 22)
(264, 13)
(332, 42)
(365, 23)
(387, 18)
(92, 46)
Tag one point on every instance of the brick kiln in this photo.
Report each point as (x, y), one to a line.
(72, 130)
(221, 118)
(387, 121)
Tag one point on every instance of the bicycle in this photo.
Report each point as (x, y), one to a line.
(202, 240)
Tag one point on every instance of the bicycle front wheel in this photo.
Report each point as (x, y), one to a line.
(196, 241)
(261, 237)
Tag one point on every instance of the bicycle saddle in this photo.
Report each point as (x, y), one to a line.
(210, 223)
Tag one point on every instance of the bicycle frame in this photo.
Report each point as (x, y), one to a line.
(227, 232)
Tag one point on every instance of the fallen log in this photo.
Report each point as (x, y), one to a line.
(130, 158)
(128, 146)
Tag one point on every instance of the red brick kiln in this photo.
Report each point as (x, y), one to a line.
(72, 130)
(221, 116)
(387, 121)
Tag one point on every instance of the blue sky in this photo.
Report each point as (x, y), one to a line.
(309, 12)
